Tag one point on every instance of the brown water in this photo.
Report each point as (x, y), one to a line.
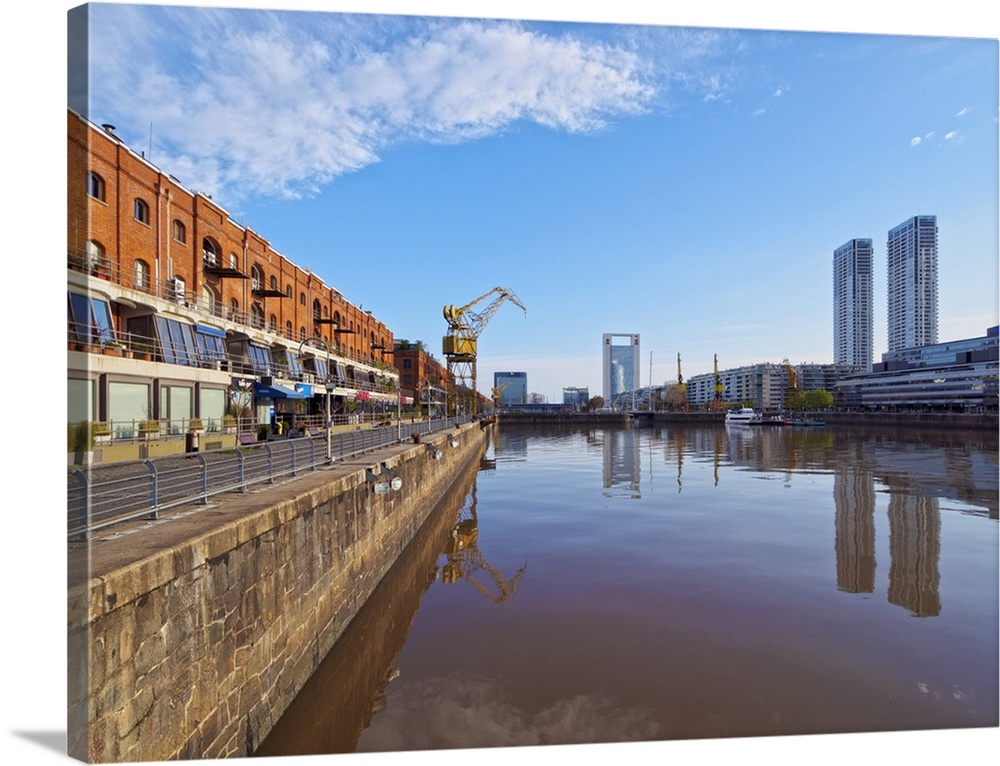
(618, 585)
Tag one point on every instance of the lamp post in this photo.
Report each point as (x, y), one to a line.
(329, 424)
(399, 390)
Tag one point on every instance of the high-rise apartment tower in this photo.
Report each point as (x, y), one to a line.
(912, 276)
(853, 304)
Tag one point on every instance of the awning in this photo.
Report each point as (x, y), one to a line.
(204, 329)
(276, 392)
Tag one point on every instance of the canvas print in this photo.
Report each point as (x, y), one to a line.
(443, 383)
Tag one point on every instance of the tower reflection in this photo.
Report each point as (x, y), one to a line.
(854, 503)
(915, 548)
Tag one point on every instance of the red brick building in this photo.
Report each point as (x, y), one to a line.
(176, 310)
(422, 377)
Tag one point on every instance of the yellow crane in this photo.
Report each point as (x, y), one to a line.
(718, 403)
(497, 392)
(681, 387)
(460, 345)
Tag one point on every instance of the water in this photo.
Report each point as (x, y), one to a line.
(617, 585)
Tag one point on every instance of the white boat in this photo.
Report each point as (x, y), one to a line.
(743, 416)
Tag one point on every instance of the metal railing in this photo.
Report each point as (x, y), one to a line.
(102, 495)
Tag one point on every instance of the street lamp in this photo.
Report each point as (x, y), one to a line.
(329, 424)
(399, 390)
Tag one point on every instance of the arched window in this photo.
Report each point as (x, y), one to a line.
(336, 319)
(257, 316)
(234, 308)
(274, 282)
(288, 329)
(234, 262)
(209, 299)
(302, 299)
(95, 186)
(316, 309)
(302, 333)
(288, 291)
(141, 211)
(142, 278)
(256, 277)
(211, 252)
(272, 324)
(179, 231)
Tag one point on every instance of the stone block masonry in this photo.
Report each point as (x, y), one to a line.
(188, 638)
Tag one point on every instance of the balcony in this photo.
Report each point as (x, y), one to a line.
(177, 293)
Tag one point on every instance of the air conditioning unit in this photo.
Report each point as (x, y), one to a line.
(176, 289)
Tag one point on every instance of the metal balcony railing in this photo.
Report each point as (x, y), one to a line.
(176, 292)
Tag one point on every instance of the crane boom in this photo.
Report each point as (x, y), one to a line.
(464, 328)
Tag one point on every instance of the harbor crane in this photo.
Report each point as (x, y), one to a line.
(497, 393)
(717, 402)
(460, 344)
(681, 387)
(465, 561)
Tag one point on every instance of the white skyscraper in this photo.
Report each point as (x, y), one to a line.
(853, 304)
(911, 264)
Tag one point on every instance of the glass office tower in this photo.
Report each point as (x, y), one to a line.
(621, 365)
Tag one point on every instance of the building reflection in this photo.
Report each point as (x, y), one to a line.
(854, 503)
(916, 469)
(621, 463)
(914, 549)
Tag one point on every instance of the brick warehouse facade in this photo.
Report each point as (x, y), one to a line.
(173, 304)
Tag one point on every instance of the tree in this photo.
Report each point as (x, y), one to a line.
(595, 403)
(818, 399)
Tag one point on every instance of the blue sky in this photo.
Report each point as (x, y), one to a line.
(688, 183)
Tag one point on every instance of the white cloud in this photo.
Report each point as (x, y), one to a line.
(280, 104)
(915, 141)
(962, 112)
(954, 136)
(472, 713)
(759, 112)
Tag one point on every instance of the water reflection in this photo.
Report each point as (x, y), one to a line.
(465, 561)
(620, 449)
(854, 501)
(338, 702)
(915, 548)
(760, 594)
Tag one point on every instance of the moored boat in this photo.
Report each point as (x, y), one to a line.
(743, 416)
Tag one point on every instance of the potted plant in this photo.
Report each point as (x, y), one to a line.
(147, 428)
(100, 432)
(112, 348)
(80, 437)
(229, 424)
(195, 426)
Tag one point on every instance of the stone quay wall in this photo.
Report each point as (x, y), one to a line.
(195, 649)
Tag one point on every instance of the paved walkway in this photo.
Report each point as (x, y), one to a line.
(131, 541)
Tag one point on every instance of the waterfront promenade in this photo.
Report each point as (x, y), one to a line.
(190, 634)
